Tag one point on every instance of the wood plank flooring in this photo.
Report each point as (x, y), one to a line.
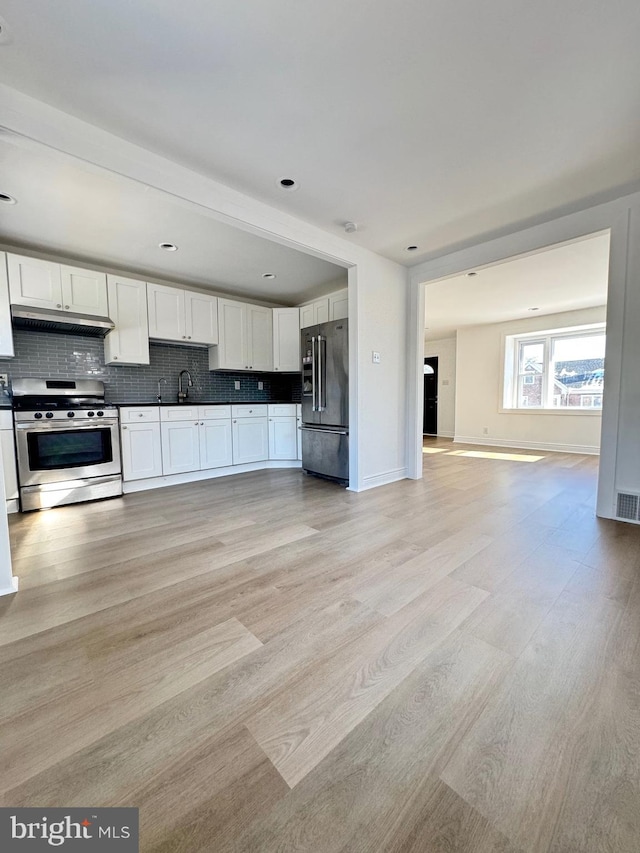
(271, 663)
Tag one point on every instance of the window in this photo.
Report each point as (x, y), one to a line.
(558, 369)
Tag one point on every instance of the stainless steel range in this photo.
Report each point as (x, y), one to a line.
(67, 440)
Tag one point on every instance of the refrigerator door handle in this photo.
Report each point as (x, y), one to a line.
(313, 374)
(321, 408)
(323, 429)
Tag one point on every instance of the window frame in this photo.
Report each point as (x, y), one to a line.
(510, 374)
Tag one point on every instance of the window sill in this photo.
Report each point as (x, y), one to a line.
(591, 413)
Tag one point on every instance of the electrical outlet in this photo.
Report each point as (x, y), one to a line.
(260, 386)
(236, 384)
(375, 357)
(4, 378)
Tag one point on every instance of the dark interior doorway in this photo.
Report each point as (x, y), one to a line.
(430, 420)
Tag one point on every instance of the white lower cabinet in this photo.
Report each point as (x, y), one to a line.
(250, 430)
(298, 430)
(195, 438)
(9, 468)
(216, 449)
(141, 450)
(283, 442)
(180, 447)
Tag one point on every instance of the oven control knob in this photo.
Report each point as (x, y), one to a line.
(49, 415)
(71, 414)
(90, 414)
(100, 414)
(38, 415)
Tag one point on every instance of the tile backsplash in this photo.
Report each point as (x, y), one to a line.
(48, 354)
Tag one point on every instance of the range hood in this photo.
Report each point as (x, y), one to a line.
(66, 322)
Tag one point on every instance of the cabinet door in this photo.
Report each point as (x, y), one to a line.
(141, 451)
(282, 438)
(128, 343)
(166, 313)
(299, 436)
(84, 291)
(6, 332)
(201, 316)
(250, 440)
(339, 305)
(9, 464)
(307, 316)
(180, 447)
(321, 311)
(215, 444)
(34, 282)
(260, 338)
(286, 339)
(231, 352)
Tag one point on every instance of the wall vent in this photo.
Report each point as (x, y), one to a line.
(628, 506)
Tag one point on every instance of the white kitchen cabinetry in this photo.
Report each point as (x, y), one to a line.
(286, 340)
(299, 432)
(45, 284)
(245, 337)
(314, 313)
(339, 305)
(283, 442)
(141, 442)
(250, 430)
(182, 315)
(9, 469)
(6, 333)
(128, 343)
(195, 438)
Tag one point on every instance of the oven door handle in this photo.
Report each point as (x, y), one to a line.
(67, 425)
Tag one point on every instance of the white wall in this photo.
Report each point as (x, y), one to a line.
(445, 349)
(479, 391)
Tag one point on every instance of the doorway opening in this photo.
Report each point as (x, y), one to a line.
(430, 408)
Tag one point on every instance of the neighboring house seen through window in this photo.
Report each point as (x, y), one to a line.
(558, 369)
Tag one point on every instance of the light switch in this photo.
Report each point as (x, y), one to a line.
(236, 384)
(375, 357)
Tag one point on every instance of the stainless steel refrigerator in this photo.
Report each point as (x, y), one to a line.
(325, 400)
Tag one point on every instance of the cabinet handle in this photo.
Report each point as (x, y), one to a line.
(58, 305)
(124, 427)
(189, 337)
(140, 414)
(197, 423)
(183, 337)
(66, 307)
(246, 367)
(235, 422)
(115, 358)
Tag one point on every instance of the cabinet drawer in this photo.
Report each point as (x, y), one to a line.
(131, 414)
(249, 411)
(282, 410)
(214, 413)
(179, 413)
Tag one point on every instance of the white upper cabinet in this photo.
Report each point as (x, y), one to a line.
(128, 343)
(45, 284)
(339, 305)
(201, 317)
(259, 338)
(84, 291)
(286, 339)
(245, 337)
(183, 316)
(6, 333)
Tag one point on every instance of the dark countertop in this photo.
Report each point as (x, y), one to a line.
(5, 406)
(120, 404)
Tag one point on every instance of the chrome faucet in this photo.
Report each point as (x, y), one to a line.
(160, 381)
(182, 395)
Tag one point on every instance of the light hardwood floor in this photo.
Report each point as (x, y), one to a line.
(271, 663)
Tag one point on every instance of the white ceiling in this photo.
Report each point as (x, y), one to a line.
(564, 278)
(72, 209)
(427, 122)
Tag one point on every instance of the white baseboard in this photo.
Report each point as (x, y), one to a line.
(588, 449)
(382, 479)
(10, 590)
(212, 473)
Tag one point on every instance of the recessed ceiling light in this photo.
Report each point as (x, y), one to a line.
(471, 274)
(288, 184)
(7, 199)
(168, 247)
(268, 275)
(411, 248)
(533, 309)
(350, 227)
